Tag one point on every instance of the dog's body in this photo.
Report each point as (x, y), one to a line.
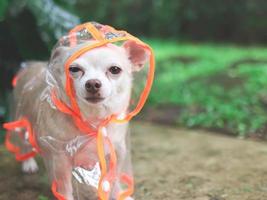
(102, 80)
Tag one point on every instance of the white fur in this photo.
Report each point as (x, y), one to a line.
(29, 166)
(115, 89)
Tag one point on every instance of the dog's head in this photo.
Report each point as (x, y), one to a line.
(102, 77)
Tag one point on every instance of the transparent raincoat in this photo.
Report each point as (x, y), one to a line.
(82, 159)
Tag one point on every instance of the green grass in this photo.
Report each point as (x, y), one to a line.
(201, 80)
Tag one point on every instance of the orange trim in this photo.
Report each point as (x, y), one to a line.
(128, 180)
(24, 122)
(26, 156)
(81, 125)
(14, 80)
(113, 158)
(111, 174)
(12, 148)
(15, 124)
(54, 191)
(103, 165)
(72, 34)
(95, 33)
(15, 149)
(60, 105)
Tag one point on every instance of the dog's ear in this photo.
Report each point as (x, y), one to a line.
(57, 60)
(137, 54)
(58, 52)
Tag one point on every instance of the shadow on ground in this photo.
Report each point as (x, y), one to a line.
(170, 164)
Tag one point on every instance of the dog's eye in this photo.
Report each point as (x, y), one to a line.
(74, 69)
(115, 70)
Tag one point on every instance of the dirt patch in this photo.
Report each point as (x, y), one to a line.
(223, 79)
(164, 114)
(170, 164)
(183, 164)
(182, 59)
(15, 185)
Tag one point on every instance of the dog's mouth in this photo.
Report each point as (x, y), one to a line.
(94, 99)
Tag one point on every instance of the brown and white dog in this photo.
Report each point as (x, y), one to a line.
(102, 80)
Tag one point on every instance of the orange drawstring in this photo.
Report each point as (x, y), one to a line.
(54, 191)
(111, 174)
(22, 123)
(128, 180)
(95, 33)
(14, 80)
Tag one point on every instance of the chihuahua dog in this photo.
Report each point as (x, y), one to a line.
(102, 79)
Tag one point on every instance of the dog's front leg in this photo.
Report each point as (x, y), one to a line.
(120, 139)
(63, 175)
(124, 166)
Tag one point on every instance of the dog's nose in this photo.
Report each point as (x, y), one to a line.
(93, 85)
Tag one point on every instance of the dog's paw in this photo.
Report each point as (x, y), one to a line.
(29, 166)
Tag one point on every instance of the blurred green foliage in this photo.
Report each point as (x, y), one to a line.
(3, 8)
(228, 20)
(216, 86)
(28, 30)
(51, 19)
